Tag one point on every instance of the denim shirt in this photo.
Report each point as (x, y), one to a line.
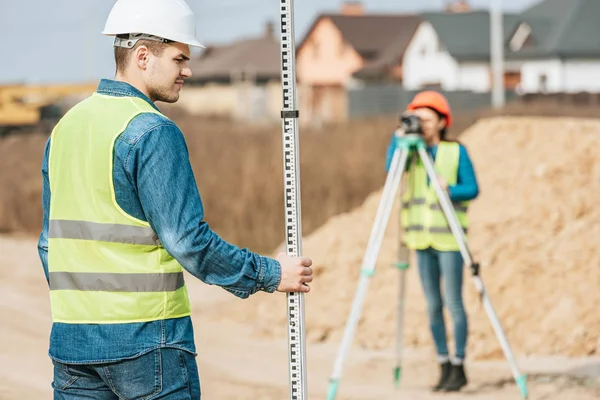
(154, 182)
(466, 187)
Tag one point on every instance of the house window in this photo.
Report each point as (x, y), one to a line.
(512, 79)
(543, 83)
(521, 36)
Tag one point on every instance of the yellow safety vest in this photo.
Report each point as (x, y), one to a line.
(105, 266)
(422, 218)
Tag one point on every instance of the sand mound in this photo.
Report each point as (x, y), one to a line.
(534, 230)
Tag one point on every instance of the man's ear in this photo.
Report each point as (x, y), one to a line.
(141, 57)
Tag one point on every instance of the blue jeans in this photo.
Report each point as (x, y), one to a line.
(434, 266)
(165, 373)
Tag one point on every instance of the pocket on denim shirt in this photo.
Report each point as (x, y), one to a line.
(138, 378)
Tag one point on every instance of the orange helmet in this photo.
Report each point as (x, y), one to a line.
(435, 100)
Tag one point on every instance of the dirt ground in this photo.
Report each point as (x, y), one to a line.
(233, 364)
(534, 230)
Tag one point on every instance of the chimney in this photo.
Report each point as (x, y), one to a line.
(270, 29)
(353, 8)
(458, 6)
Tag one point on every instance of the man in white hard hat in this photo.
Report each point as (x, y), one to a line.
(123, 218)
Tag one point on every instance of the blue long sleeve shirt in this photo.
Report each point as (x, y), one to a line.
(466, 187)
(154, 182)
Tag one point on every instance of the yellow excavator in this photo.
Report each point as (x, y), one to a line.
(25, 108)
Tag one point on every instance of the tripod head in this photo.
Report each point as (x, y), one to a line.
(410, 124)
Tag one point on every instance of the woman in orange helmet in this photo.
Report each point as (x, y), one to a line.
(438, 257)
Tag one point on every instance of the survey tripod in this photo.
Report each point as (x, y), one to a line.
(409, 143)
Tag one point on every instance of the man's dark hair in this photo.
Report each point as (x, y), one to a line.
(122, 54)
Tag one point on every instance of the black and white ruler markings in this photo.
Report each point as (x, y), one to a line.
(293, 219)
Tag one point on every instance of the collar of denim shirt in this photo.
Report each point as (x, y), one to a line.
(111, 87)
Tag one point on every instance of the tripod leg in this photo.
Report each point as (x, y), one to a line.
(368, 264)
(458, 233)
(402, 264)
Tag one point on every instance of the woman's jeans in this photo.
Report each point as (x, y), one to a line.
(446, 266)
(165, 373)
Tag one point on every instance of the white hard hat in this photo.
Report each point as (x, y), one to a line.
(151, 19)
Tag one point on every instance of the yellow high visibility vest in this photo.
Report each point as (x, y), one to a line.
(105, 266)
(422, 218)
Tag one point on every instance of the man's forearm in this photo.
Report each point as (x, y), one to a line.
(171, 201)
(216, 262)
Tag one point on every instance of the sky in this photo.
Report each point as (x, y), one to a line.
(59, 41)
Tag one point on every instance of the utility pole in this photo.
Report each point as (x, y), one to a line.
(497, 53)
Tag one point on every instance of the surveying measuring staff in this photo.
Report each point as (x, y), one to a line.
(297, 369)
(123, 218)
(435, 230)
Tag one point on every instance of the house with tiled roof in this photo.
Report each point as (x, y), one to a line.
(254, 58)
(239, 80)
(557, 44)
(553, 46)
(451, 51)
(336, 46)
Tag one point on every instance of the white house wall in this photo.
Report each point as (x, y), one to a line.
(475, 77)
(582, 76)
(424, 63)
(532, 72)
(427, 63)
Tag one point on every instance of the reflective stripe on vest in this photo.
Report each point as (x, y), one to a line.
(115, 233)
(422, 218)
(106, 282)
(421, 228)
(105, 266)
(458, 206)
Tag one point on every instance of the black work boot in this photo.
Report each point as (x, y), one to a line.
(456, 380)
(445, 369)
